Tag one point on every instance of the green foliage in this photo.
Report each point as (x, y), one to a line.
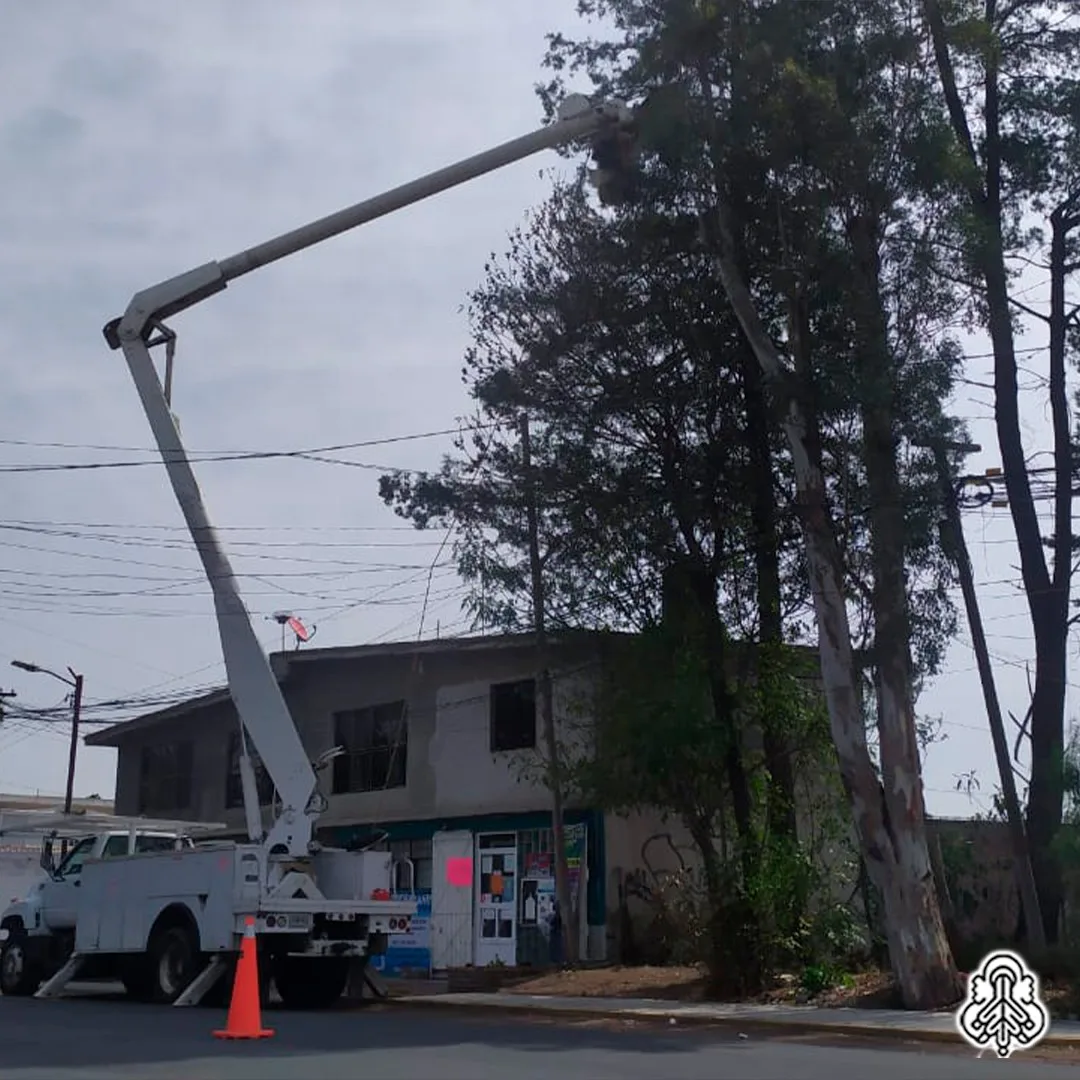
(1066, 845)
(823, 127)
(660, 742)
(816, 978)
(657, 736)
(815, 122)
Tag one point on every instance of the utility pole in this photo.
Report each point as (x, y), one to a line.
(547, 708)
(1025, 877)
(76, 683)
(73, 749)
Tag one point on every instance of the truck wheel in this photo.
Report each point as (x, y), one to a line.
(310, 983)
(173, 964)
(19, 975)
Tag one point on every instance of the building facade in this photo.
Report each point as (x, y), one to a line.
(441, 760)
(442, 765)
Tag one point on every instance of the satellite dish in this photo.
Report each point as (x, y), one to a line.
(300, 631)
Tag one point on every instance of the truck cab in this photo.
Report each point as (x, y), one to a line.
(56, 897)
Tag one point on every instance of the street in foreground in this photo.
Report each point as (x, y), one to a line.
(95, 1039)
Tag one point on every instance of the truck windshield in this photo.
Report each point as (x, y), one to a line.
(73, 864)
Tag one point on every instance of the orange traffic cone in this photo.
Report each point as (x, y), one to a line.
(245, 1009)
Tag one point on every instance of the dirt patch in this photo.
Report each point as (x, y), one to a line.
(868, 990)
(863, 990)
(659, 983)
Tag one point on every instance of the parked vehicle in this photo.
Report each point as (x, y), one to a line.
(156, 905)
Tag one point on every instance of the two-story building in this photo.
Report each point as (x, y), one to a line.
(438, 737)
(442, 765)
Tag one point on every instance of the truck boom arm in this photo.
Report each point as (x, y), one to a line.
(253, 686)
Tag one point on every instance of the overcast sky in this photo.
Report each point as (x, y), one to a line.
(140, 140)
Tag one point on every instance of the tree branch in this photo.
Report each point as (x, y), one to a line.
(1030, 311)
(957, 116)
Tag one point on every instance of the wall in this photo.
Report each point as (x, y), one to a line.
(468, 778)
(983, 903)
(450, 770)
(978, 865)
(210, 730)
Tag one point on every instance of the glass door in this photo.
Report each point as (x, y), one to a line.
(496, 909)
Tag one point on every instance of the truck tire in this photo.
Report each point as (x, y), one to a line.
(174, 962)
(20, 976)
(310, 983)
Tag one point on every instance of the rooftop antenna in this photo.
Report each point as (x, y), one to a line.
(288, 621)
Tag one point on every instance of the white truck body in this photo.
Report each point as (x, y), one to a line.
(119, 892)
(120, 900)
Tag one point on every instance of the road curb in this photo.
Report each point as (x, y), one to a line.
(761, 1023)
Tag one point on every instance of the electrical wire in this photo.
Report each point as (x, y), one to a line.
(50, 597)
(316, 453)
(387, 441)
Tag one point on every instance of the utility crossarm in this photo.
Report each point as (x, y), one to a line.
(254, 689)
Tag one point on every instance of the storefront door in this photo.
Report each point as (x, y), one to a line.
(496, 893)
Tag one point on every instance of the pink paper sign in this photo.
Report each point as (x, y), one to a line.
(459, 872)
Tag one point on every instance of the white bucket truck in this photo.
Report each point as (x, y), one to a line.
(155, 906)
(172, 919)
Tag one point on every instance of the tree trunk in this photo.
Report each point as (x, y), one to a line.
(743, 190)
(895, 850)
(1047, 599)
(689, 608)
(570, 927)
(1046, 792)
(901, 767)
(734, 958)
(781, 794)
(546, 709)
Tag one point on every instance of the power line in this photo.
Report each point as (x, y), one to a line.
(125, 560)
(314, 610)
(316, 453)
(129, 527)
(187, 543)
(387, 441)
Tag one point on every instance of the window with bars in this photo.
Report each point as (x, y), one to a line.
(234, 788)
(165, 777)
(513, 716)
(375, 740)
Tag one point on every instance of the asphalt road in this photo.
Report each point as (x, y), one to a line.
(91, 1039)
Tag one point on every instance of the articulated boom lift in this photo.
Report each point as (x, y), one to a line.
(169, 923)
(254, 688)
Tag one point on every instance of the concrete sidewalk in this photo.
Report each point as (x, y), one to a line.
(807, 1019)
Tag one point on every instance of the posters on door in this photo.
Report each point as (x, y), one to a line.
(538, 881)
